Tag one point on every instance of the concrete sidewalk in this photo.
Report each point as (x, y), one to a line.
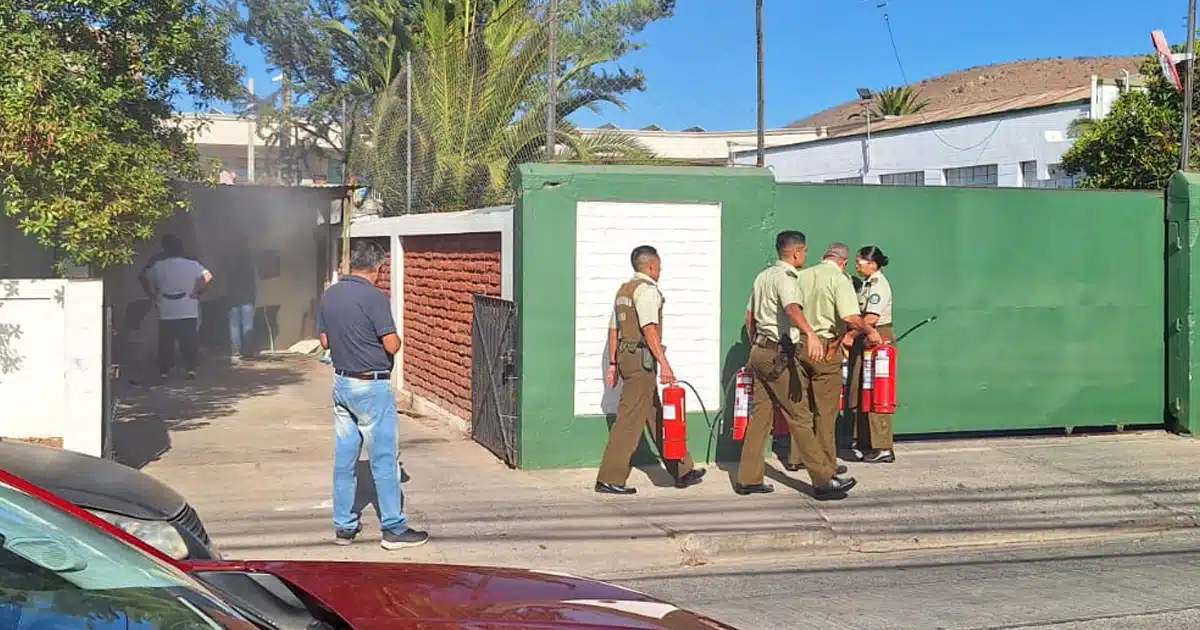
(257, 467)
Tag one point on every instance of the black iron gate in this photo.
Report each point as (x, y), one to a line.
(494, 377)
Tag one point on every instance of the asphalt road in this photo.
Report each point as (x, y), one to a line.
(1131, 584)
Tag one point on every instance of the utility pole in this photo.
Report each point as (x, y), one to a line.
(552, 81)
(285, 139)
(1188, 86)
(347, 209)
(758, 17)
(408, 134)
(253, 124)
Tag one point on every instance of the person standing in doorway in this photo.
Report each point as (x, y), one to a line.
(635, 354)
(243, 297)
(174, 282)
(356, 325)
(781, 339)
(830, 303)
(873, 430)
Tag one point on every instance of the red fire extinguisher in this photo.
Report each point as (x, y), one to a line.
(868, 381)
(674, 410)
(884, 400)
(742, 394)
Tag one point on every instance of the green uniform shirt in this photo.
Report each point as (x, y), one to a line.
(875, 298)
(774, 289)
(827, 296)
(647, 301)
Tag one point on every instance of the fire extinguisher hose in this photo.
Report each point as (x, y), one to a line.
(914, 327)
(712, 426)
(704, 410)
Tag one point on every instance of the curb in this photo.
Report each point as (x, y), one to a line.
(1136, 526)
(701, 548)
(698, 549)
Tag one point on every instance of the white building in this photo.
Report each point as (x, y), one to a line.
(1011, 142)
(698, 146)
(233, 140)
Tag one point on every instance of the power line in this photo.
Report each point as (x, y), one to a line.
(904, 75)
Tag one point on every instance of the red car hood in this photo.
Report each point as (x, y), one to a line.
(378, 596)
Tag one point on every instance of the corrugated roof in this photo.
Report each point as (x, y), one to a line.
(993, 82)
(972, 110)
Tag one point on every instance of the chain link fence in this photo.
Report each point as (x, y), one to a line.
(469, 107)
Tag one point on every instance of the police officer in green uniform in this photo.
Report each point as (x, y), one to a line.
(827, 295)
(873, 431)
(782, 340)
(635, 355)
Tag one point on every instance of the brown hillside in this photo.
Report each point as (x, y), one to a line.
(999, 81)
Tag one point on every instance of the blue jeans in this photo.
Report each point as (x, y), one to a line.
(241, 327)
(364, 412)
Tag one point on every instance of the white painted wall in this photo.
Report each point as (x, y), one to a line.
(688, 237)
(1005, 140)
(51, 361)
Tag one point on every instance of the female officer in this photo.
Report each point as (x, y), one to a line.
(872, 430)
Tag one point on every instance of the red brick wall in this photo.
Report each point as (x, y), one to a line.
(441, 274)
(384, 281)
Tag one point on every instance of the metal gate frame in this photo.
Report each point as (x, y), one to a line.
(109, 377)
(494, 377)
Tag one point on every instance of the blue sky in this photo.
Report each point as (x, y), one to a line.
(700, 64)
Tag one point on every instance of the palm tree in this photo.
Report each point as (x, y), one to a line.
(895, 101)
(478, 101)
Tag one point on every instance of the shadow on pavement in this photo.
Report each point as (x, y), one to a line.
(364, 491)
(149, 412)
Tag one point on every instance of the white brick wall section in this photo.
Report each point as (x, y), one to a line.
(688, 237)
(84, 346)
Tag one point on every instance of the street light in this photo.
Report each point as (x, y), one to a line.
(865, 95)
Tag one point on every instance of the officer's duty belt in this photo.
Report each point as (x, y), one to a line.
(630, 346)
(763, 342)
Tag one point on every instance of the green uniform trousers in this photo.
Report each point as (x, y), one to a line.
(640, 408)
(786, 391)
(822, 382)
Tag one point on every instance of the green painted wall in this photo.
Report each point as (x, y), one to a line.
(1183, 226)
(544, 285)
(1050, 303)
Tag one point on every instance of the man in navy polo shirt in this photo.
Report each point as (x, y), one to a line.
(356, 326)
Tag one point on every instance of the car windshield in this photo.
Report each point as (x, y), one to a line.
(57, 571)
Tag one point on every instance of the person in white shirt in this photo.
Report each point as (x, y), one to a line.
(174, 282)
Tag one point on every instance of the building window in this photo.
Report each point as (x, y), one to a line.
(1029, 176)
(1057, 176)
(845, 180)
(973, 176)
(915, 178)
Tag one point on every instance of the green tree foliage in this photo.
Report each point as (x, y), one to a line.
(479, 111)
(89, 140)
(1137, 145)
(343, 62)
